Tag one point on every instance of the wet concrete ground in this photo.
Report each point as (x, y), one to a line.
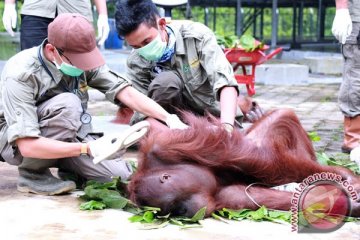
(28, 216)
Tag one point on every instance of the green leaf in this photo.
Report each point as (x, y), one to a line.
(154, 225)
(322, 158)
(94, 193)
(131, 209)
(135, 218)
(115, 201)
(199, 215)
(285, 216)
(148, 216)
(176, 222)
(258, 214)
(351, 219)
(235, 214)
(231, 41)
(217, 217)
(166, 216)
(314, 136)
(154, 209)
(99, 185)
(247, 42)
(92, 205)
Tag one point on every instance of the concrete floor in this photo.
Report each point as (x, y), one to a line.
(34, 217)
(28, 216)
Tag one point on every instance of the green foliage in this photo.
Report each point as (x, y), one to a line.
(107, 195)
(261, 214)
(150, 219)
(92, 205)
(246, 42)
(249, 43)
(112, 194)
(228, 41)
(324, 159)
(314, 136)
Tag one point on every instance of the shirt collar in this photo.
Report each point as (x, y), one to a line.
(56, 74)
(179, 46)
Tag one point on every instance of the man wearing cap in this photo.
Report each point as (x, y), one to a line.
(43, 118)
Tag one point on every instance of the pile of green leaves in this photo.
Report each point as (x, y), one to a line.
(150, 219)
(112, 194)
(324, 159)
(104, 195)
(261, 214)
(246, 42)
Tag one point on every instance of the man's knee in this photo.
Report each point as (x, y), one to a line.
(166, 89)
(166, 85)
(103, 171)
(59, 117)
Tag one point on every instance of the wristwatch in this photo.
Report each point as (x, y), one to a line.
(84, 149)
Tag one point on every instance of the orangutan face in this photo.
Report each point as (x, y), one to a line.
(175, 189)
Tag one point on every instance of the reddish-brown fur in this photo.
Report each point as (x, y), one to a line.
(181, 171)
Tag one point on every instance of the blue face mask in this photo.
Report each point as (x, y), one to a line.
(68, 69)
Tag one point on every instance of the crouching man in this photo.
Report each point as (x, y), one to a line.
(43, 117)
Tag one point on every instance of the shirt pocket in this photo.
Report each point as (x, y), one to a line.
(194, 74)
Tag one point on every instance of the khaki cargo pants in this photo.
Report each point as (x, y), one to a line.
(59, 118)
(349, 94)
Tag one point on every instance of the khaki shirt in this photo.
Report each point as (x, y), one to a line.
(49, 8)
(198, 60)
(25, 84)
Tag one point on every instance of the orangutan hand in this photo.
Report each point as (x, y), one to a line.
(251, 109)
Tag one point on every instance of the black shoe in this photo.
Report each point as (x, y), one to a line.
(43, 183)
(67, 175)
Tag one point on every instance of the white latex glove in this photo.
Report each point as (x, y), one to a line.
(228, 127)
(342, 25)
(103, 28)
(355, 155)
(113, 145)
(9, 18)
(173, 122)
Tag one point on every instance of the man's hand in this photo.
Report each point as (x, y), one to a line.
(173, 122)
(9, 18)
(114, 145)
(228, 127)
(103, 28)
(251, 109)
(342, 25)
